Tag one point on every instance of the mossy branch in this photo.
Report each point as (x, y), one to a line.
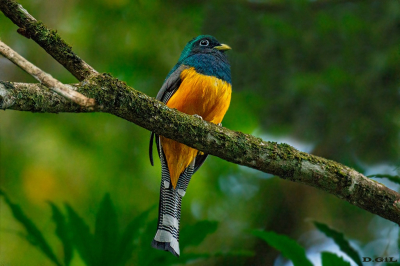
(45, 78)
(36, 98)
(48, 39)
(115, 97)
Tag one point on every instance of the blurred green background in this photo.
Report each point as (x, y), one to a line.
(319, 75)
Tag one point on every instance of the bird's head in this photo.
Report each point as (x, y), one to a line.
(203, 44)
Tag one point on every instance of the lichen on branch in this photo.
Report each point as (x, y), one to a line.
(48, 39)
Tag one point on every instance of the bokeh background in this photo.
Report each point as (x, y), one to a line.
(322, 76)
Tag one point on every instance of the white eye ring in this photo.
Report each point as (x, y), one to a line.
(204, 43)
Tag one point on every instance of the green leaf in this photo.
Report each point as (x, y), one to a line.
(193, 235)
(237, 253)
(106, 234)
(339, 239)
(235, 257)
(393, 178)
(190, 235)
(148, 255)
(82, 239)
(131, 232)
(34, 236)
(288, 247)
(62, 232)
(330, 259)
(187, 258)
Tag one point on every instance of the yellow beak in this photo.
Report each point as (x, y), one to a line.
(223, 47)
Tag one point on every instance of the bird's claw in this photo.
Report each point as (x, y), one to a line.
(219, 124)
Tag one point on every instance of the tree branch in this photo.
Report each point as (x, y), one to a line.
(36, 98)
(46, 79)
(115, 97)
(48, 39)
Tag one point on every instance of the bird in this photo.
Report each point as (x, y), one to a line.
(200, 85)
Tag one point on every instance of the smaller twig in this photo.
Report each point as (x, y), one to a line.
(48, 39)
(35, 97)
(46, 79)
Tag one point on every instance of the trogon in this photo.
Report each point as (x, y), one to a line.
(199, 84)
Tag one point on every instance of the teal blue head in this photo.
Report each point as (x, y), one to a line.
(204, 44)
(207, 55)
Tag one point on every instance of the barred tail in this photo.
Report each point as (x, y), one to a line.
(169, 213)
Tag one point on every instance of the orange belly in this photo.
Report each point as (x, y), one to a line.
(206, 96)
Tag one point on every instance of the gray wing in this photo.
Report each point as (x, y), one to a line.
(170, 86)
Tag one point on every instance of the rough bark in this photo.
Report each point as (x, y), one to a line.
(48, 39)
(115, 97)
(65, 90)
(35, 98)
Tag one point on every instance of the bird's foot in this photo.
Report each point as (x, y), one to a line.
(219, 124)
(196, 115)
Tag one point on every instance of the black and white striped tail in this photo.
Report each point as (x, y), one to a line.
(169, 213)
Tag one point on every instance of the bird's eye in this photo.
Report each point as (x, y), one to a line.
(204, 43)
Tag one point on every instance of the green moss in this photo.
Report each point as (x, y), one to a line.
(50, 40)
(8, 85)
(12, 5)
(396, 206)
(48, 37)
(341, 172)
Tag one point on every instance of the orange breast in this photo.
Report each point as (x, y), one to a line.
(206, 96)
